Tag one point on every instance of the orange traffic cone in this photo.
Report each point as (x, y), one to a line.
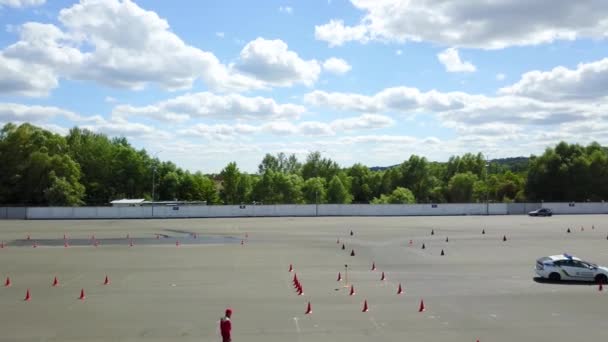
(421, 308)
(383, 278)
(28, 297)
(290, 268)
(352, 290)
(339, 277)
(308, 309)
(82, 296)
(55, 282)
(373, 266)
(365, 307)
(400, 289)
(7, 283)
(106, 281)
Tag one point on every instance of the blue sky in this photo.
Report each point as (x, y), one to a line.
(370, 81)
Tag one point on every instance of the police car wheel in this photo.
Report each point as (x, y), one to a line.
(555, 277)
(601, 278)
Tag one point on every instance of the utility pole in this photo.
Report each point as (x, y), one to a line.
(153, 174)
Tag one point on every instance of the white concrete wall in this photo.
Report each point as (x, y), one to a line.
(35, 213)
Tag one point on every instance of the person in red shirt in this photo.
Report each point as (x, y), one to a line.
(226, 326)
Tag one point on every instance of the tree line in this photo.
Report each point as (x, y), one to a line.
(39, 167)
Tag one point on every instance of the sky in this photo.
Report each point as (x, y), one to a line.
(205, 83)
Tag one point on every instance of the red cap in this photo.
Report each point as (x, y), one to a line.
(228, 312)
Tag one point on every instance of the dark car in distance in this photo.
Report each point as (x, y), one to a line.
(541, 212)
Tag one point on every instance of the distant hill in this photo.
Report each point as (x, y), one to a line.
(515, 164)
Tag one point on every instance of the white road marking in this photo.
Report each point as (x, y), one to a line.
(295, 320)
(374, 323)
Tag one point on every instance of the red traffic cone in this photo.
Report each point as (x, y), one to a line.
(34, 245)
(411, 242)
(177, 243)
(373, 266)
(290, 268)
(600, 287)
(2, 244)
(131, 243)
(28, 237)
(421, 308)
(300, 290)
(295, 278)
(82, 296)
(383, 278)
(55, 282)
(365, 307)
(66, 244)
(106, 281)
(28, 297)
(308, 309)
(96, 243)
(352, 252)
(7, 283)
(339, 277)
(337, 241)
(400, 289)
(242, 242)
(352, 290)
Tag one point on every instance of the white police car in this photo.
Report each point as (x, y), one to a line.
(568, 267)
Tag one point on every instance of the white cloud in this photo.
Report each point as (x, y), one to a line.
(284, 128)
(110, 99)
(474, 23)
(220, 35)
(452, 62)
(587, 82)
(19, 78)
(25, 113)
(501, 77)
(286, 9)
(272, 62)
(208, 105)
(21, 3)
(336, 34)
(118, 44)
(336, 66)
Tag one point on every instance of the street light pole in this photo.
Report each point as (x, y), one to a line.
(153, 174)
(487, 187)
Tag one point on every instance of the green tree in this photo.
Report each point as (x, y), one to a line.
(337, 193)
(398, 196)
(460, 187)
(230, 180)
(313, 190)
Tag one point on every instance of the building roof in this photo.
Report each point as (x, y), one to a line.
(128, 201)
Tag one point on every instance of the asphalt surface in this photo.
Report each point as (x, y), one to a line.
(482, 288)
